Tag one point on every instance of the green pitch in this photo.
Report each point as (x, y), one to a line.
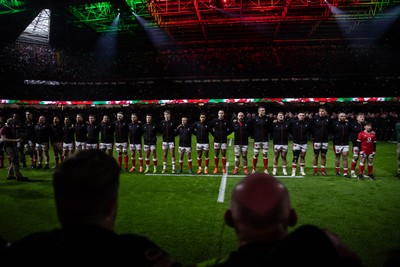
(181, 212)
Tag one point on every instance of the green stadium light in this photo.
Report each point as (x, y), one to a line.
(12, 6)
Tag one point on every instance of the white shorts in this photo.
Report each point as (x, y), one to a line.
(92, 146)
(320, 146)
(341, 149)
(121, 147)
(166, 145)
(148, 148)
(183, 149)
(301, 147)
(239, 148)
(134, 147)
(202, 146)
(80, 145)
(42, 146)
(220, 146)
(283, 148)
(68, 146)
(106, 146)
(356, 150)
(30, 145)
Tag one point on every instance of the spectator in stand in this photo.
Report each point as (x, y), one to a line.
(280, 136)
(355, 128)
(320, 129)
(241, 129)
(185, 131)
(135, 139)
(367, 147)
(201, 129)
(341, 132)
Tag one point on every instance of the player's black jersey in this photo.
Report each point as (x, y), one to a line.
(80, 132)
(93, 131)
(18, 127)
(42, 133)
(150, 134)
(185, 136)
(320, 129)
(107, 133)
(241, 132)
(68, 133)
(202, 132)
(299, 130)
(355, 129)
(220, 129)
(280, 132)
(135, 132)
(121, 131)
(340, 131)
(56, 133)
(259, 128)
(30, 130)
(168, 130)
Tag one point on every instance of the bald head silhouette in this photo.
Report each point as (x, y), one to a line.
(260, 210)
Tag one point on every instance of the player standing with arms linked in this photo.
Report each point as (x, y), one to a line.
(202, 130)
(259, 130)
(241, 129)
(355, 128)
(341, 131)
(220, 129)
(168, 127)
(320, 129)
(367, 146)
(280, 133)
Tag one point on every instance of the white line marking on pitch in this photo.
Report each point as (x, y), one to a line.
(222, 186)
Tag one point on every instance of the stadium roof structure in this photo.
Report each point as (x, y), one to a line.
(213, 22)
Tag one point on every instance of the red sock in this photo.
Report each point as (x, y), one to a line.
(254, 163)
(223, 162)
(206, 161)
(265, 162)
(119, 160)
(353, 165)
(370, 168)
(216, 160)
(126, 161)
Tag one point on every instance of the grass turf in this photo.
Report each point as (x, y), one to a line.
(182, 215)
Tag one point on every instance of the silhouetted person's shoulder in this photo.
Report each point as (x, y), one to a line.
(87, 244)
(311, 246)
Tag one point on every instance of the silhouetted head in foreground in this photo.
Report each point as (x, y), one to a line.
(260, 209)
